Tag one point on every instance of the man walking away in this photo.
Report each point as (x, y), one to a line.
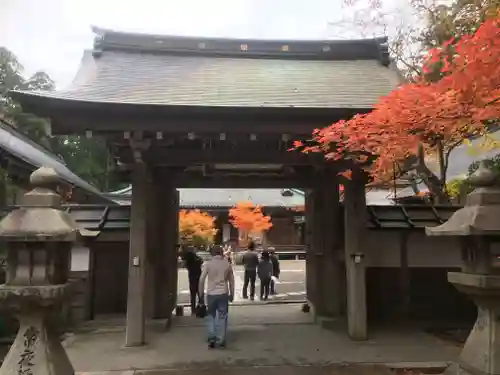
(220, 291)
(193, 265)
(250, 263)
(276, 270)
(265, 271)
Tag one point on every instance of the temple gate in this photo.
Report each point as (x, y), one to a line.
(196, 112)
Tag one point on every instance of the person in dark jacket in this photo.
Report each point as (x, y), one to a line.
(265, 272)
(276, 269)
(250, 263)
(193, 264)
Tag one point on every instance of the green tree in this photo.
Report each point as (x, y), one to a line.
(458, 188)
(11, 78)
(88, 158)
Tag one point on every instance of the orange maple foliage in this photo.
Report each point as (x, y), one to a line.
(248, 218)
(449, 110)
(196, 227)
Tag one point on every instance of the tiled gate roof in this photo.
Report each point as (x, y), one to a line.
(209, 72)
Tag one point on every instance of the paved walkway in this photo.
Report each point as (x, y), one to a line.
(274, 337)
(291, 285)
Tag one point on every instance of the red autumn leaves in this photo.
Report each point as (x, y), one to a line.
(448, 110)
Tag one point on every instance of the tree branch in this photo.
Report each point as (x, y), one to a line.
(447, 154)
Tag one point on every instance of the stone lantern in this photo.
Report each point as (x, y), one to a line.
(39, 237)
(478, 227)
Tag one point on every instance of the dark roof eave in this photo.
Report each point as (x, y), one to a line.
(379, 217)
(90, 197)
(45, 102)
(93, 196)
(31, 163)
(205, 207)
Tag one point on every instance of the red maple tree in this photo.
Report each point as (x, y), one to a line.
(418, 116)
(248, 218)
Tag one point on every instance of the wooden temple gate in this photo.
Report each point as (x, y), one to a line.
(195, 112)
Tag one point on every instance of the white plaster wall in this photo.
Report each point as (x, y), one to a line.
(383, 250)
(424, 251)
(80, 257)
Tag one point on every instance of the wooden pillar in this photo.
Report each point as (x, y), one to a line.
(317, 242)
(160, 244)
(355, 228)
(153, 244)
(92, 282)
(326, 239)
(172, 232)
(330, 246)
(163, 247)
(311, 250)
(404, 275)
(136, 305)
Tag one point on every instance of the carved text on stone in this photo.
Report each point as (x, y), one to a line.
(28, 355)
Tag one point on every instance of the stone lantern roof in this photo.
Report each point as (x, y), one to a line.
(481, 213)
(40, 217)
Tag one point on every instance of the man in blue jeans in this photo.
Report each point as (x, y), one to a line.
(220, 291)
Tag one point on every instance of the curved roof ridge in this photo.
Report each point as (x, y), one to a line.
(103, 31)
(321, 49)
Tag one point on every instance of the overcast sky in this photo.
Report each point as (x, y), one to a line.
(50, 35)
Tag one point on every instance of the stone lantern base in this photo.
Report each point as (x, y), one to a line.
(37, 349)
(481, 352)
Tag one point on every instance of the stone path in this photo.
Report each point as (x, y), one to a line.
(279, 338)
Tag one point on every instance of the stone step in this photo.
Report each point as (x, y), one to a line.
(333, 369)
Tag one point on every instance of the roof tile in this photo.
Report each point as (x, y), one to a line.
(193, 80)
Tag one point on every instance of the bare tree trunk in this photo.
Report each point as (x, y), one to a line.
(443, 166)
(441, 161)
(432, 182)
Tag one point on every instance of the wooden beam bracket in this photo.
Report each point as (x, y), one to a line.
(139, 145)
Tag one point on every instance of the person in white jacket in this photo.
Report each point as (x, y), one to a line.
(220, 291)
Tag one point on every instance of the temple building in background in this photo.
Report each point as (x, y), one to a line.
(283, 205)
